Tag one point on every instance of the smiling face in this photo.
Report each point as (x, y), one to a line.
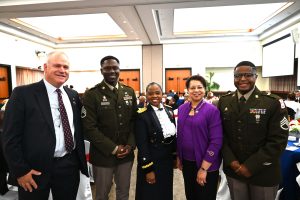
(244, 79)
(57, 69)
(154, 95)
(110, 71)
(196, 90)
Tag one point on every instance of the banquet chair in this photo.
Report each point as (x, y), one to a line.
(298, 177)
(291, 113)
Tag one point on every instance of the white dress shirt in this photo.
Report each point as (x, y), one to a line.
(167, 126)
(60, 149)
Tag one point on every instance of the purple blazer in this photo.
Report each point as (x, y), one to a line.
(207, 133)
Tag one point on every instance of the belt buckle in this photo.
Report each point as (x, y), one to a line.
(168, 140)
(64, 156)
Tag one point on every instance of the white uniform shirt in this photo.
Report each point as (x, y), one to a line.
(167, 126)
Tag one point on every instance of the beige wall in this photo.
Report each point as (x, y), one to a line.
(152, 70)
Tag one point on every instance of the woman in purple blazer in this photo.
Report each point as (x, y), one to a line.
(199, 140)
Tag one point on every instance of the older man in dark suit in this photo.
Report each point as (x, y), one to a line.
(42, 135)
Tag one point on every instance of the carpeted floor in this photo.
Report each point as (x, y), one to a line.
(178, 188)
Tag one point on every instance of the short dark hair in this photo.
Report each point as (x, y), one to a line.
(291, 96)
(153, 83)
(246, 63)
(195, 78)
(109, 58)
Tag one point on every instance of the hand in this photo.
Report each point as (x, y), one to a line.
(27, 182)
(201, 177)
(235, 165)
(122, 152)
(127, 146)
(150, 177)
(244, 171)
(178, 163)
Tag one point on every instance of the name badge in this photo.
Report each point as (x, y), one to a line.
(127, 97)
(105, 103)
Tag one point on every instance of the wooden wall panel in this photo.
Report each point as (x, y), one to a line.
(4, 83)
(175, 79)
(130, 78)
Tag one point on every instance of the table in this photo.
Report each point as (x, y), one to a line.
(289, 171)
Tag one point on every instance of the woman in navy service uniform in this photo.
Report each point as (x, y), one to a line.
(155, 139)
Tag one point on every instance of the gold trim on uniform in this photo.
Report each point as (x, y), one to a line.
(148, 165)
(141, 110)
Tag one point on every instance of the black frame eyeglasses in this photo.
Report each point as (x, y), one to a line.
(246, 75)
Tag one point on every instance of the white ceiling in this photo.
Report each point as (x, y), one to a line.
(142, 21)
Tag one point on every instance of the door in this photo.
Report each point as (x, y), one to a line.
(5, 85)
(175, 79)
(130, 78)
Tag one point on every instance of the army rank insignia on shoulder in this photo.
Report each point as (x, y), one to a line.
(284, 123)
(141, 110)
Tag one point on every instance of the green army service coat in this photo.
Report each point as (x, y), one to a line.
(255, 135)
(108, 120)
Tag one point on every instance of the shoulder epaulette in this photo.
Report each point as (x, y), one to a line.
(228, 94)
(122, 84)
(94, 87)
(126, 86)
(168, 106)
(141, 110)
(273, 96)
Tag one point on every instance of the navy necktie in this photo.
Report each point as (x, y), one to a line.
(69, 144)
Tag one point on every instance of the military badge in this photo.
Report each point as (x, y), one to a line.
(282, 104)
(83, 112)
(267, 163)
(257, 118)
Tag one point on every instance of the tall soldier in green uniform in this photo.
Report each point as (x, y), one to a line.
(255, 134)
(108, 120)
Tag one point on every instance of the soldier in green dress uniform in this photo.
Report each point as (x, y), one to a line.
(108, 121)
(255, 128)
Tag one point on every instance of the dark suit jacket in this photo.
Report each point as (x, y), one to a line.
(28, 132)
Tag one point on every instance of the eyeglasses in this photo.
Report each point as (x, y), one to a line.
(246, 75)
